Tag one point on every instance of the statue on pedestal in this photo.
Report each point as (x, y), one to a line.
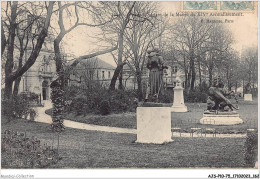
(248, 88)
(220, 110)
(155, 65)
(178, 99)
(217, 99)
(248, 93)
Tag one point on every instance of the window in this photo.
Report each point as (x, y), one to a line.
(97, 74)
(15, 66)
(44, 59)
(165, 72)
(174, 69)
(103, 74)
(91, 74)
(108, 74)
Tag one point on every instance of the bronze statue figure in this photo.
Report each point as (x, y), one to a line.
(155, 84)
(217, 99)
(247, 88)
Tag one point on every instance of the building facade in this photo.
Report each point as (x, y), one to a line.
(38, 78)
(89, 70)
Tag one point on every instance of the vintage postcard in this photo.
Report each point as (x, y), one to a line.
(129, 85)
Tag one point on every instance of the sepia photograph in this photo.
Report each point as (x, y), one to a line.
(129, 85)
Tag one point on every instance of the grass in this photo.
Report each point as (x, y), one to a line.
(248, 112)
(91, 149)
(185, 121)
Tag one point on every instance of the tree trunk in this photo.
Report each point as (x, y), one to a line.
(228, 79)
(10, 52)
(210, 77)
(120, 80)
(199, 66)
(188, 79)
(120, 56)
(243, 85)
(189, 76)
(8, 89)
(58, 59)
(9, 76)
(16, 86)
(139, 84)
(186, 73)
(17, 81)
(57, 89)
(3, 40)
(193, 74)
(115, 76)
(210, 72)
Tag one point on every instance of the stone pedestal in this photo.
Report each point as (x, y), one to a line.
(153, 125)
(178, 104)
(248, 97)
(221, 118)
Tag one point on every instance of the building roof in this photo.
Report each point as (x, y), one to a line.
(96, 63)
(105, 65)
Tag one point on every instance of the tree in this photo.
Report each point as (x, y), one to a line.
(249, 65)
(219, 44)
(141, 33)
(58, 86)
(189, 34)
(229, 69)
(14, 17)
(114, 32)
(3, 39)
(196, 45)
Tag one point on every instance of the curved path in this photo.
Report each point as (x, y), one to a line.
(45, 118)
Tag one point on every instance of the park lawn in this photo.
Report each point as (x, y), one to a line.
(185, 121)
(248, 112)
(92, 149)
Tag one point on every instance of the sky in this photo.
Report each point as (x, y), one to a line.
(81, 41)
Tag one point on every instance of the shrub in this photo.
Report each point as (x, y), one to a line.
(79, 104)
(94, 98)
(32, 113)
(251, 148)
(104, 107)
(203, 87)
(195, 96)
(19, 151)
(166, 96)
(122, 100)
(71, 92)
(31, 97)
(18, 106)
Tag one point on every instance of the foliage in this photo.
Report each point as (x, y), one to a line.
(203, 87)
(251, 148)
(79, 104)
(104, 107)
(57, 98)
(123, 100)
(19, 106)
(166, 96)
(97, 99)
(19, 151)
(195, 96)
